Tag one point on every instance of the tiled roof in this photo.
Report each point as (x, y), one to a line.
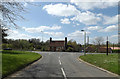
(57, 43)
(100, 49)
(115, 47)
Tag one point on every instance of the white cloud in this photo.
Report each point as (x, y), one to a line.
(110, 28)
(78, 36)
(87, 18)
(25, 4)
(89, 5)
(55, 34)
(65, 21)
(113, 38)
(61, 9)
(94, 0)
(77, 33)
(77, 24)
(110, 20)
(93, 28)
(14, 34)
(41, 28)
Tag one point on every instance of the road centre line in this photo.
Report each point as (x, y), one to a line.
(60, 62)
(63, 73)
(59, 57)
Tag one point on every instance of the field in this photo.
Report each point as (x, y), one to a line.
(16, 60)
(109, 62)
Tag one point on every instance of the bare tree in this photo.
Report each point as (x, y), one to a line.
(11, 11)
(98, 41)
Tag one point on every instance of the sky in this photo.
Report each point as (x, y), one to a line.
(66, 19)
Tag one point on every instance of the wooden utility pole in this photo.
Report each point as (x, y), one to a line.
(107, 46)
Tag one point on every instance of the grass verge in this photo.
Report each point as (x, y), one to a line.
(16, 60)
(109, 62)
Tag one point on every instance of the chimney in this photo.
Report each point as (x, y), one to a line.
(50, 39)
(65, 43)
(50, 43)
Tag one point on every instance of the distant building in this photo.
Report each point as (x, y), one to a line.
(58, 45)
(99, 49)
(115, 48)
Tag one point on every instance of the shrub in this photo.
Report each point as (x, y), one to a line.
(69, 49)
(116, 51)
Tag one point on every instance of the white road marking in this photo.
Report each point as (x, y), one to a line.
(59, 57)
(64, 73)
(60, 62)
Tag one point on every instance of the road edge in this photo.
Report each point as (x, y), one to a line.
(102, 69)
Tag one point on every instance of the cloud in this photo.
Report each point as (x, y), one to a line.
(77, 34)
(93, 28)
(61, 9)
(65, 21)
(77, 24)
(90, 5)
(110, 28)
(113, 39)
(55, 34)
(110, 20)
(25, 4)
(14, 34)
(114, 36)
(87, 18)
(41, 28)
(94, 0)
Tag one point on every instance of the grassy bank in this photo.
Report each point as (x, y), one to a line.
(109, 62)
(15, 60)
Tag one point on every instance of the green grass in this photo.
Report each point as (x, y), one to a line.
(109, 62)
(15, 60)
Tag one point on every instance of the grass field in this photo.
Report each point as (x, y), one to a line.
(15, 60)
(109, 62)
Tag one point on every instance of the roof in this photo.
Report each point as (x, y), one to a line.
(99, 49)
(57, 43)
(115, 48)
(104, 49)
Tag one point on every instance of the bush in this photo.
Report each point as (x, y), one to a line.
(116, 51)
(69, 49)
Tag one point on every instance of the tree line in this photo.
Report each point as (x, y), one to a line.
(36, 44)
(22, 44)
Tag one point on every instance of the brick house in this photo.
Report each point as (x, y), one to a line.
(58, 45)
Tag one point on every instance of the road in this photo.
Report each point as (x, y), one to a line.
(61, 65)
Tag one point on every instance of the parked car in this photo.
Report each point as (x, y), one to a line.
(7, 49)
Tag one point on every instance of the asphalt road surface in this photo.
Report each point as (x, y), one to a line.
(62, 65)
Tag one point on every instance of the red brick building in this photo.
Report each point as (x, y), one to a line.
(58, 45)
